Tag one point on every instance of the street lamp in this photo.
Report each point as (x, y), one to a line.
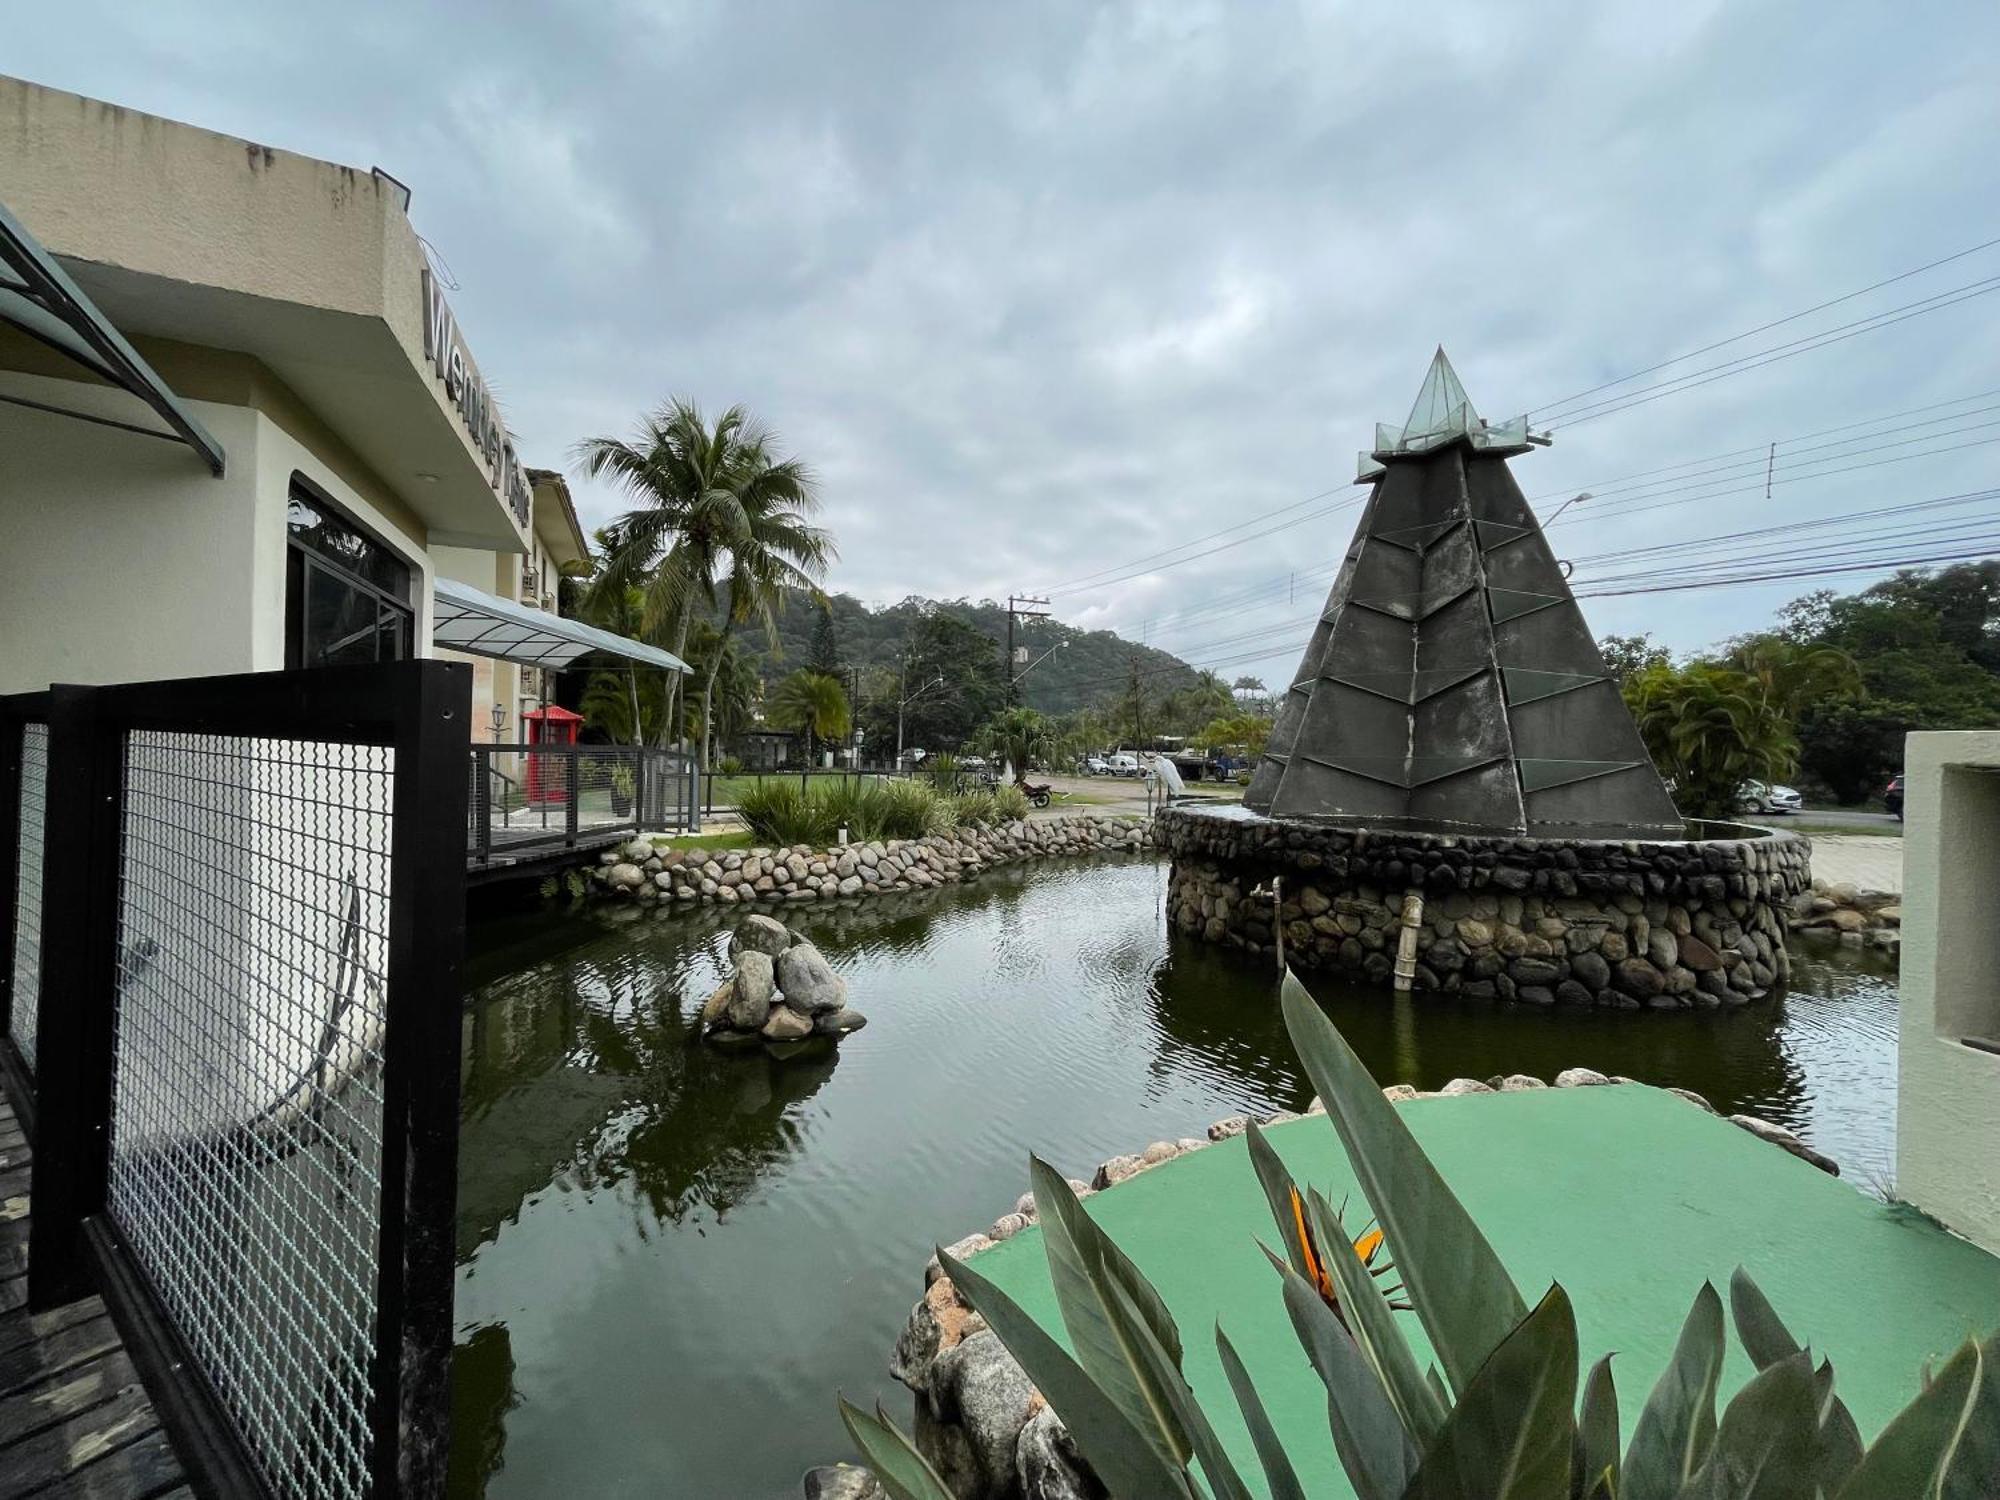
(1573, 500)
(904, 702)
(499, 718)
(1058, 646)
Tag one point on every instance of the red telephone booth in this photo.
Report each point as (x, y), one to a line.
(548, 775)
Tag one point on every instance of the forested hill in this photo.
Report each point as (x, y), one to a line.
(1092, 669)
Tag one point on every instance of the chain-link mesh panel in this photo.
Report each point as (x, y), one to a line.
(248, 1117)
(27, 955)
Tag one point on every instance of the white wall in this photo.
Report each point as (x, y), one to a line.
(1948, 1097)
(122, 558)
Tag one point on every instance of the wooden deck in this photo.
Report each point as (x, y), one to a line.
(75, 1423)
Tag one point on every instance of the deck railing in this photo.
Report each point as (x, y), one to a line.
(251, 910)
(528, 799)
(24, 779)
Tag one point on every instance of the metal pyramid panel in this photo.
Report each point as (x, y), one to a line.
(1540, 775)
(1402, 710)
(1525, 685)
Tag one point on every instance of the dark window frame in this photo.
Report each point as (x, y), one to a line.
(395, 613)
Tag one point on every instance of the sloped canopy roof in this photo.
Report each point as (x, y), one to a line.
(480, 624)
(38, 297)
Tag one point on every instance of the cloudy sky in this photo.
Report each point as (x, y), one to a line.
(1045, 290)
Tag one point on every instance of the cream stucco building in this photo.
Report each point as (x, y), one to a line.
(1948, 1095)
(332, 451)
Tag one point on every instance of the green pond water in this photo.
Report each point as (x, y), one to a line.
(671, 1258)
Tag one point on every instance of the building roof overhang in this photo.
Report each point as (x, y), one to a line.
(38, 297)
(466, 619)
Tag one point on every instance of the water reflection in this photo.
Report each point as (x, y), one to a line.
(672, 1257)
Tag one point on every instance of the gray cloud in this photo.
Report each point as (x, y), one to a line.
(1039, 288)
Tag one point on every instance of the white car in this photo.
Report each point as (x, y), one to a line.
(1767, 797)
(1097, 765)
(1122, 764)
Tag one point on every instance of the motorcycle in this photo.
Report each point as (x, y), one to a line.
(1040, 795)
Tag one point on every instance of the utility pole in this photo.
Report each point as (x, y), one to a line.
(1023, 607)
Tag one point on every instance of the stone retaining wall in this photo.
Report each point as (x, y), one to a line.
(650, 872)
(1584, 922)
(979, 1419)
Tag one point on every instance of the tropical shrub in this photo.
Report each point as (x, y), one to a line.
(783, 812)
(729, 765)
(1505, 1420)
(1709, 729)
(989, 808)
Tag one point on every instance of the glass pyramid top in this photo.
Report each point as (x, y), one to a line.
(1443, 413)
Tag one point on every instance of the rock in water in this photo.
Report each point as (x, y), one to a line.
(716, 1006)
(756, 977)
(787, 1025)
(806, 981)
(841, 1482)
(838, 1022)
(747, 1012)
(1049, 1464)
(993, 1398)
(764, 935)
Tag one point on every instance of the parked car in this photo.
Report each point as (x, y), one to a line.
(1096, 765)
(1892, 796)
(1124, 764)
(1767, 797)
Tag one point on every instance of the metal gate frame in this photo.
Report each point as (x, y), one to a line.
(17, 711)
(422, 709)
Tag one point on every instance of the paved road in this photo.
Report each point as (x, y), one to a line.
(1834, 817)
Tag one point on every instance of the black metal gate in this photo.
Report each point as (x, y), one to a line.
(234, 978)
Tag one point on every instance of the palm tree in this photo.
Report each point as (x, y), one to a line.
(715, 503)
(812, 704)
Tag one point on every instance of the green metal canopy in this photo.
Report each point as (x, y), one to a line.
(38, 297)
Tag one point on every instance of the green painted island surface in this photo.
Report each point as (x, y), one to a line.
(1627, 1195)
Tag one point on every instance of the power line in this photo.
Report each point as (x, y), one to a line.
(1737, 338)
(1742, 366)
(1069, 585)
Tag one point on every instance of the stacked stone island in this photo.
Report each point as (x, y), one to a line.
(782, 996)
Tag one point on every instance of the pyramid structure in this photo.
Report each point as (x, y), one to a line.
(1452, 684)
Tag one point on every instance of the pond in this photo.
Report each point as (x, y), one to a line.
(671, 1259)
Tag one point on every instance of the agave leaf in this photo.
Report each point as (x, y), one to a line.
(1374, 1448)
(1763, 1333)
(1767, 1445)
(1124, 1456)
(1164, 1373)
(1676, 1427)
(1945, 1445)
(1373, 1324)
(1468, 1303)
(1278, 1472)
(1085, 1267)
(903, 1472)
(1840, 1446)
(1512, 1435)
(1597, 1426)
(1278, 1189)
(1767, 1340)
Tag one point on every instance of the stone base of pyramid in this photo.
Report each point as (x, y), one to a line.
(1626, 923)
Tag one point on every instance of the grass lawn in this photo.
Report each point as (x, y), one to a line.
(738, 838)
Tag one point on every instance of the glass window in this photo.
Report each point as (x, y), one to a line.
(346, 594)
